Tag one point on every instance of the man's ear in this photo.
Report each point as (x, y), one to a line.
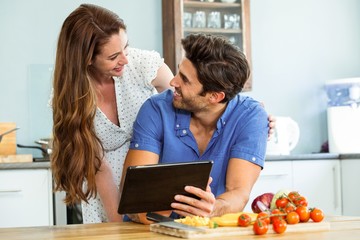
(216, 97)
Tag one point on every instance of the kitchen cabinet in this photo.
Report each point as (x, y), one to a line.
(350, 190)
(320, 182)
(183, 17)
(276, 175)
(26, 198)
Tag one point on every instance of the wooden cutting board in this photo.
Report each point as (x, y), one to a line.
(236, 231)
(8, 142)
(16, 158)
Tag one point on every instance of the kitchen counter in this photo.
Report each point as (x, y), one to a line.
(340, 228)
(25, 165)
(300, 157)
(312, 156)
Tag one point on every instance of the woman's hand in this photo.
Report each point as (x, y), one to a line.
(272, 125)
(189, 206)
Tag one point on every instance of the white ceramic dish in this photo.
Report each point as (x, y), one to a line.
(228, 1)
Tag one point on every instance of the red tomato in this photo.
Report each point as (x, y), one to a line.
(264, 216)
(279, 226)
(244, 220)
(292, 195)
(260, 227)
(289, 208)
(281, 202)
(316, 214)
(304, 213)
(292, 218)
(276, 214)
(300, 201)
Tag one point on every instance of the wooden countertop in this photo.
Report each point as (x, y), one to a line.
(340, 228)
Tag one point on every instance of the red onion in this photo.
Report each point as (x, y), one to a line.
(262, 203)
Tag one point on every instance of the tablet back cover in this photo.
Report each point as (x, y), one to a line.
(153, 187)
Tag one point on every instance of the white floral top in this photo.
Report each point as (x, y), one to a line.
(132, 89)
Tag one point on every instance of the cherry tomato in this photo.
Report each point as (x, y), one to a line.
(281, 202)
(292, 195)
(289, 208)
(300, 201)
(260, 227)
(316, 214)
(279, 226)
(244, 220)
(292, 218)
(276, 214)
(264, 216)
(304, 213)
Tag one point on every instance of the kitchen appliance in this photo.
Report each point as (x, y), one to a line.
(343, 115)
(285, 137)
(45, 147)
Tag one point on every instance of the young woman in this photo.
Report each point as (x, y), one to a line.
(99, 85)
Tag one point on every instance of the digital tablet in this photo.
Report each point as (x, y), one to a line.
(150, 188)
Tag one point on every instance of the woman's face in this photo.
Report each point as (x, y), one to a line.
(113, 56)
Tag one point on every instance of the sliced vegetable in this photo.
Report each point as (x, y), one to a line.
(281, 193)
(231, 219)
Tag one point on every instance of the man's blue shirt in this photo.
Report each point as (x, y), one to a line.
(241, 132)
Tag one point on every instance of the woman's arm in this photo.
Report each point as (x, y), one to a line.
(163, 78)
(108, 191)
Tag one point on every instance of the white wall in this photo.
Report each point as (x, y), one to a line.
(297, 45)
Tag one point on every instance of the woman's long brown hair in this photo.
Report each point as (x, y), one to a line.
(77, 151)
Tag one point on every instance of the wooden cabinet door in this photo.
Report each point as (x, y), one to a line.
(234, 24)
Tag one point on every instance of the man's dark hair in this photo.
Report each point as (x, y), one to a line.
(221, 66)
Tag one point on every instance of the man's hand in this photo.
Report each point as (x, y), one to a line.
(188, 206)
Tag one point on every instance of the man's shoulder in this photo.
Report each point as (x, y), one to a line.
(166, 95)
(161, 99)
(246, 102)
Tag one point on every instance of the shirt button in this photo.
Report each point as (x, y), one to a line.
(136, 145)
(254, 159)
(184, 131)
(177, 125)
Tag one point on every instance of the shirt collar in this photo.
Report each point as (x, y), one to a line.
(182, 117)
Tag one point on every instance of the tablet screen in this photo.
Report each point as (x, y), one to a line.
(151, 188)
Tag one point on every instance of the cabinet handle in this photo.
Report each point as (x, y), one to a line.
(275, 175)
(10, 190)
(336, 190)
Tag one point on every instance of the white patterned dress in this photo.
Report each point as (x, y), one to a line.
(132, 89)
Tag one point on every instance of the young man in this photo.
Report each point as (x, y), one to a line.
(205, 118)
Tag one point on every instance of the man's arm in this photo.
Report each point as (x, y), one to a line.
(240, 178)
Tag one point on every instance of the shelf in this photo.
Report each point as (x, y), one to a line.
(217, 5)
(212, 30)
(177, 25)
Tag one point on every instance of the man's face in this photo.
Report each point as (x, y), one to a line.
(188, 88)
